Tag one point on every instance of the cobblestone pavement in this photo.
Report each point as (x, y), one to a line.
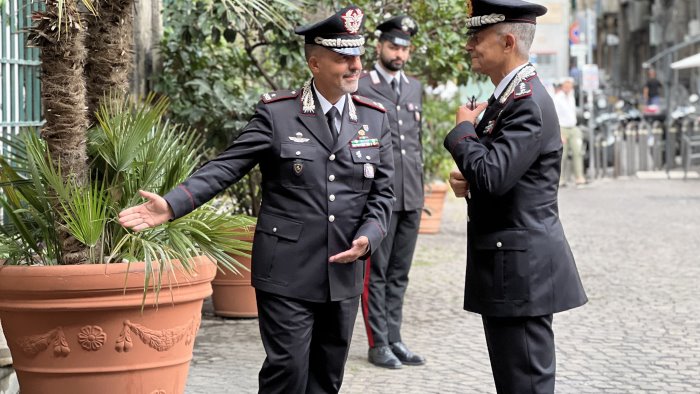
(636, 245)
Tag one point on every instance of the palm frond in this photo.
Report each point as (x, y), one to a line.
(261, 10)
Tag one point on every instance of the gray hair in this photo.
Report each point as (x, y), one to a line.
(524, 35)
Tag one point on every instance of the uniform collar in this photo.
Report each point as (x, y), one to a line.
(326, 105)
(506, 80)
(388, 77)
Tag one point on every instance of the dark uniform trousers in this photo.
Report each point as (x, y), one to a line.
(520, 269)
(388, 268)
(388, 279)
(318, 196)
(306, 343)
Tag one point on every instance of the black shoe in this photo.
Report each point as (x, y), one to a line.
(382, 356)
(406, 356)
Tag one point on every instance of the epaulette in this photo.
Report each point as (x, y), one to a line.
(279, 95)
(368, 103)
(524, 89)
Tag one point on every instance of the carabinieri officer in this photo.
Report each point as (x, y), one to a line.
(327, 167)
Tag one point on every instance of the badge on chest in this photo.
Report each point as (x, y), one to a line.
(298, 167)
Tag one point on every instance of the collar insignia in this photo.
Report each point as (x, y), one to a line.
(308, 106)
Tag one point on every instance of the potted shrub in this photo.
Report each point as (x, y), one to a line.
(438, 115)
(99, 322)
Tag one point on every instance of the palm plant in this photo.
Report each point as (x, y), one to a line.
(132, 148)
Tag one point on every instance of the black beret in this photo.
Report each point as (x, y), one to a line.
(340, 32)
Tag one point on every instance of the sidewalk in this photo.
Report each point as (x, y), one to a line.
(636, 244)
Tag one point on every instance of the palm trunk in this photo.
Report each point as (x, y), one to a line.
(63, 96)
(110, 51)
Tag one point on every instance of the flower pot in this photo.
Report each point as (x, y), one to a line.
(432, 210)
(233, 295)
(81, 328)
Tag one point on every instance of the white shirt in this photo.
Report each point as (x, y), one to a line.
(326, 106)
(506, 80)
(565, 105)
(388, 77)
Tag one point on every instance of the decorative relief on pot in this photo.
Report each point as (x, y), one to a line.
(160, 340)
(159, 392)
(92, 338)
(35, 344)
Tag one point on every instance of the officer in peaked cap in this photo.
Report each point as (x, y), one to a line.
(520, 269)
(327, 170)
(340, 32)
(389, 265)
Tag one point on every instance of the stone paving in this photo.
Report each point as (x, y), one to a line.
(636, 244)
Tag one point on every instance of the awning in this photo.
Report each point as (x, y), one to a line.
(688, 62)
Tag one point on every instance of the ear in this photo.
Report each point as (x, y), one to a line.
(509, 42)
(378, 47)
(313, 64)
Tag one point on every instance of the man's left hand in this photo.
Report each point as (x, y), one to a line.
(359, 248)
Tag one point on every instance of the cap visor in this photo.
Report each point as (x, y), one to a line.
(400, 41)
(356, 51)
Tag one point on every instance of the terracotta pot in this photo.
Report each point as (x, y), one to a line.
(233, 295)
(434, 202)
(80, 329)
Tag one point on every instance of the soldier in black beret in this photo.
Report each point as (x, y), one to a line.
(326, 161)
(520, 269)
(388, 268)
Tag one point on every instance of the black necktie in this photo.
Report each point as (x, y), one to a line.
(331, 116)
(395, 86)
(491, 100)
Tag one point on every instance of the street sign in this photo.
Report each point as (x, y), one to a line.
(590, 80)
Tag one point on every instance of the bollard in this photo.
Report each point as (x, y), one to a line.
(631, 149)
(657, 134)
(618, 160)
(644, 134)
(671, 144)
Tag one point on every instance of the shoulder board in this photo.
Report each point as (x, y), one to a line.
(368, 103)
(279, 95)
(524, 89)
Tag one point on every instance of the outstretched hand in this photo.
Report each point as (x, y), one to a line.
(459, 185)
(359, 248)
(152, 213)
(466, 113)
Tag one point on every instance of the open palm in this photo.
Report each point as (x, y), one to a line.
(152, 213)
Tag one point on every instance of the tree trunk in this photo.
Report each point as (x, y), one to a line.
(63, 96)
(110, 52)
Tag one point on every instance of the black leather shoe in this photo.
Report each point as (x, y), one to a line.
(382, 356)
(406, 356)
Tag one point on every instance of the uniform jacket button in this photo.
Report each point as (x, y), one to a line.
(297, 153)
(331, 218)
(331, 197)
(499, 244)
(398, 108)
(331, 157)
(403, 137)
(400, 122)
(274, 229)
(331, 178)
(403, 151)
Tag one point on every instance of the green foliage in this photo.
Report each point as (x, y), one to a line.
(438, 120)
(131, 149)
(218, 62)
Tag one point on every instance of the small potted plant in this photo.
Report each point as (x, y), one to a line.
(438, 120)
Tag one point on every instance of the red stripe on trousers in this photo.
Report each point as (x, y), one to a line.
(365, 304)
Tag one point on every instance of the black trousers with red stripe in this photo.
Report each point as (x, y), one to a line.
(387, 279)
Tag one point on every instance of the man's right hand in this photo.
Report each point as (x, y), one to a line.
(459, 185)
(152, 213)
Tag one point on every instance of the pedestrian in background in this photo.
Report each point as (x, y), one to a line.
(327, 167)
(387, 272)
(571, 137)
(652, 89)
(520, 270)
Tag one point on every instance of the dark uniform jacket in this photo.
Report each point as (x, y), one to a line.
(317, 198)
(405, 121)
(519, 262)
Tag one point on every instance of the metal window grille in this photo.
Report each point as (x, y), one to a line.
(20, 99)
